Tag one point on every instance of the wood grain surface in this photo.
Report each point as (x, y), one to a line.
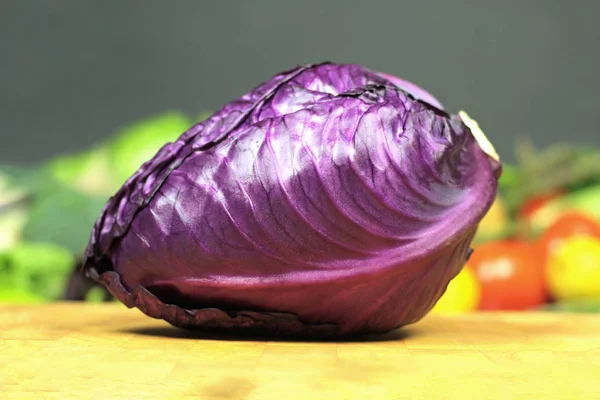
(105, 351)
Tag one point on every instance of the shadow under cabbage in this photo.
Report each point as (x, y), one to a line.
(233, 334)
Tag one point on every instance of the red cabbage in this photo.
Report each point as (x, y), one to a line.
(329, 200)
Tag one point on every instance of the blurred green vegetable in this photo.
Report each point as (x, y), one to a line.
(510, 176)
(87, 171)
(96, 295)
(64, 217)
(12, 212)
(55, 212)
(12, 295)
(11, 226)
(587, 199)
(591, 305)
(35, 270)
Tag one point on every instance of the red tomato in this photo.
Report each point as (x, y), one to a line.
(567, 225)
(510, 276)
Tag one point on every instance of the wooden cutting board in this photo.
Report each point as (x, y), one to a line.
(105, 351)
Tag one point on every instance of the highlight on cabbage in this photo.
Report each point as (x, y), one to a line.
(329, 200)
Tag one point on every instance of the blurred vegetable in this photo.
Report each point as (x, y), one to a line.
(495, 224)
(11, 227)
(510, 275)
(462, 295)
(13, 201)
(96, 294)
(567, 225)
(39, 269)
(56, 213)
(590, 305)
(510, 177)
(535, 203)
(88, 172)
(326, 200)
(584, 200)
(573, 270)
(11, 295)
(559, 168)
(64, 218)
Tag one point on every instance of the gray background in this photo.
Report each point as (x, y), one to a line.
(73, 71)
